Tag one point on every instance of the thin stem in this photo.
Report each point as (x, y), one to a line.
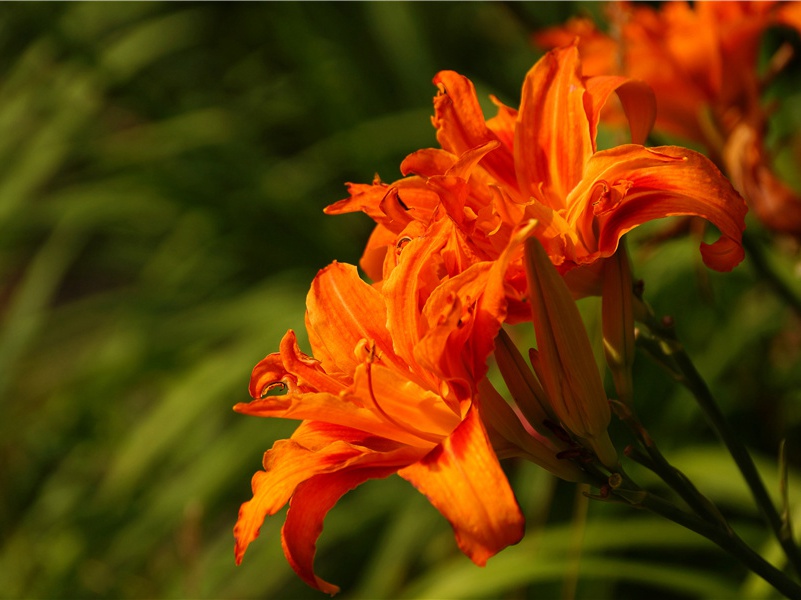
(727, 540)
(764, 270)
(578, 528)
(622, 488)
(678, 481)
(686, 373)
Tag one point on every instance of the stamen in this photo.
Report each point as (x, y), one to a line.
(401, 202)
(401, 244)
(434, 439)
(274, 388)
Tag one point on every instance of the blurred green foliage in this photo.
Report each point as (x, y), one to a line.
(163, 169)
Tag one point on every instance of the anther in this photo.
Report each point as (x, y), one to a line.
(275, 388)
(401, 244)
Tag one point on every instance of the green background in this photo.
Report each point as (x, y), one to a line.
(163, 170)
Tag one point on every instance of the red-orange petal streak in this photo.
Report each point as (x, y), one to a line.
(290, 463)
(464, 481)
(552, 138)
(660, 182)
(343, 310)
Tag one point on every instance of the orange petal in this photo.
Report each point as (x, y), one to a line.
(636, 97)
(552, 139)
(449, 316)
(293, 371)
(464, 481)
(381, 241)
(503, 124)
(410, 284)
(363, 197)
(461, 126)
(379, 400)
(343, 410)
(554, 232)
(304, 521)
(428, 162)
(656, 182)
(462, 316)
(746, 163)
(343, 310)
(458, 116)
(419, 416)
(417, 200)
(291, 462)
(493, 306)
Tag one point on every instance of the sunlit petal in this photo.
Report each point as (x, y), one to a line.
(552, 139)
(461, 127)
(287, 464)
(342, 310)
(464, 481)
(629, 185)
(636, 97)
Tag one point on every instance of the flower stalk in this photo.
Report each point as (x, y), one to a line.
(724, 537)
(669, 352)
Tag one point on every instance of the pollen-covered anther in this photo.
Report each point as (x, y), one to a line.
(466, 316)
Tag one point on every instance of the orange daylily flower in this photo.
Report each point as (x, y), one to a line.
(392, 388)
(701, 61)
(541, 162)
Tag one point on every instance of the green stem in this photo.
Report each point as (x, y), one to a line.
(653, 460)
(622, 488)
(727, 540)
(764, 270)
(679, 363)
(678, 481)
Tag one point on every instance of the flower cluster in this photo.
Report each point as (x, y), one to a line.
(509, 221)
(702, 61)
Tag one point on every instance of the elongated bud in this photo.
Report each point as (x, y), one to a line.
(618, 321)
(522, 383)
(510, 438)
(566, 365)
